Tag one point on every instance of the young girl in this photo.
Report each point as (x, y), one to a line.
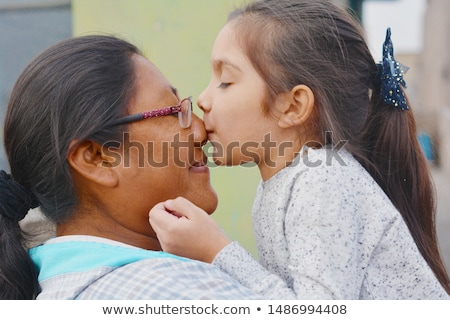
(345, 209)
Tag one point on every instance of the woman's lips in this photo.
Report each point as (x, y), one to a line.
(200, 166)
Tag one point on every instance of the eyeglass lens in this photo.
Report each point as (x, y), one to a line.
(185, 116)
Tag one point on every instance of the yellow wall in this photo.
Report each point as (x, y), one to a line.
(177, 35)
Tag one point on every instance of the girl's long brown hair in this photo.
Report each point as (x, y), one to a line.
(318, 44)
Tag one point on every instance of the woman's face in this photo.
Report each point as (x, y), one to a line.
(159, 159)
(233, 104)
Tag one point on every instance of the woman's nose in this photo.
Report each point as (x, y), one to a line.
(198, 128)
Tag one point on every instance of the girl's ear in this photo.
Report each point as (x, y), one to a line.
(90, 161)
(296, 107)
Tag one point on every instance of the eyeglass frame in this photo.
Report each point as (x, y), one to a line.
(166, 111)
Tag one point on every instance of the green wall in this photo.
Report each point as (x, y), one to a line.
(177, 35)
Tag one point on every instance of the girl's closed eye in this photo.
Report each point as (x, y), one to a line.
(224, 85)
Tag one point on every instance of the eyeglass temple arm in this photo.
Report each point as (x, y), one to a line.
(161, 112)
(128, 119)
(147, 114)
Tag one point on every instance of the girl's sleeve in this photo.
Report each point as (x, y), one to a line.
(241, 265)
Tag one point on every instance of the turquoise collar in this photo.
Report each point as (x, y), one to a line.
(77, 256)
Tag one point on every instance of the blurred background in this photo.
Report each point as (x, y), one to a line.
(177, 35)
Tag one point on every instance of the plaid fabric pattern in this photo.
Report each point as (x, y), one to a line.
(151, 279)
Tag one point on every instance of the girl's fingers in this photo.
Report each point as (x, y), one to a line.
(182, 207)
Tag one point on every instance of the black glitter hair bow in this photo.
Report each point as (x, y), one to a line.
(392, 76)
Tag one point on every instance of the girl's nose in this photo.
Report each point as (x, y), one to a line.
(202, 101)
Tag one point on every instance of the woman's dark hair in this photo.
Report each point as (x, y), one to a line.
(318, 44)
(70, 92)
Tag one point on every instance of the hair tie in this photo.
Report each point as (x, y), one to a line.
(392, 76)
(15, 199)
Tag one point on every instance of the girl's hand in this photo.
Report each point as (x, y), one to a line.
(186, 230)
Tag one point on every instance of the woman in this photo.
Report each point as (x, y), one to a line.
(78, 150)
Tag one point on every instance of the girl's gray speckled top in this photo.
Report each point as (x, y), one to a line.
(325, 230)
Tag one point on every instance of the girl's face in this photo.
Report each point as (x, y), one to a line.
(234, 117)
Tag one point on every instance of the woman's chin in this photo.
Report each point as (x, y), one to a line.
(209, 202)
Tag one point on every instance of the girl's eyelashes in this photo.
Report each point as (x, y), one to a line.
(223, 85)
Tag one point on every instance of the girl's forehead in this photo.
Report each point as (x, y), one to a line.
(226, 39)
(227, 52)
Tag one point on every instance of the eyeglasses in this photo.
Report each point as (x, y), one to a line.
(183, 109)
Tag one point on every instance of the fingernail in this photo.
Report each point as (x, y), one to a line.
(168, 203)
